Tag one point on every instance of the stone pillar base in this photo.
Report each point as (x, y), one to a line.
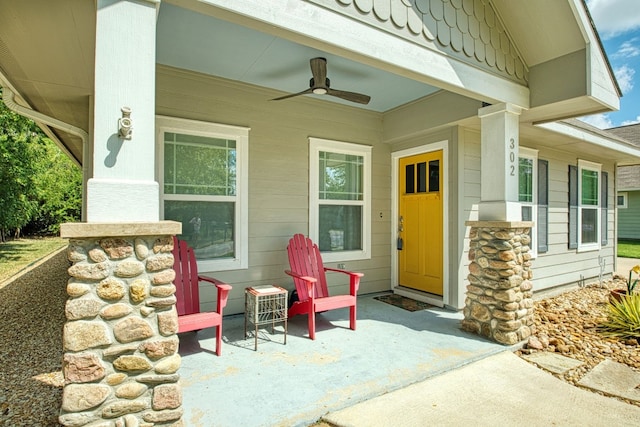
(499, 302)
(121, 358)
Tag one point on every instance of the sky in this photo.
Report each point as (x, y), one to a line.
(618, 24)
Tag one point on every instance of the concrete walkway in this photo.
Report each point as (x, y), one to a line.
(624, 265)
(500, 390)
(505, 390)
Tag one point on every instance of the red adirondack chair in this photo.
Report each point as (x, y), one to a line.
(309, 277)
(188, 296)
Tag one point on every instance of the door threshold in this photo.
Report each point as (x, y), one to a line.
(427, 297)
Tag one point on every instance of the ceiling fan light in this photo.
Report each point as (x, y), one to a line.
(319, 91)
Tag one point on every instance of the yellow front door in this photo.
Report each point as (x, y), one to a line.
(420, 225)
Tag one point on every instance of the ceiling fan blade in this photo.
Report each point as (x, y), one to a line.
(319, 71)
(349, 96)
(291, 95)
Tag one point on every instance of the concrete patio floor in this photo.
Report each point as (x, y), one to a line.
(297, 383)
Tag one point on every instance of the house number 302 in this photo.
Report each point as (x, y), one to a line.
(512, 156)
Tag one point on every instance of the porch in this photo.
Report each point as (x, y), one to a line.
(295, 384)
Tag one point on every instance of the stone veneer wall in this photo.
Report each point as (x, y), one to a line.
(499, 302)
(120, 360)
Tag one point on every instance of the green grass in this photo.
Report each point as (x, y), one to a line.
(629, 249)
(16, 255)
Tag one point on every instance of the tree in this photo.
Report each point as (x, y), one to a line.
(37, 182)
(17, 192)
(59, 190)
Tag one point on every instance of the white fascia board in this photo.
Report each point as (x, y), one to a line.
(603, 84)
(379, 49)
(598, 140)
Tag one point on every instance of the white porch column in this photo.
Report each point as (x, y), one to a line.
(122, 187)
(499, 163)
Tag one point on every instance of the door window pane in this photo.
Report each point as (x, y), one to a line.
(422, 177)
(434, 176)
(410, 179)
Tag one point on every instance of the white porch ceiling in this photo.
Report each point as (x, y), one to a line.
(205, 44)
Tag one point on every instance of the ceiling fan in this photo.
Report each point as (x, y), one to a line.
(319, 84)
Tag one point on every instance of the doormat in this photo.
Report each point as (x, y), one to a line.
(404, 302)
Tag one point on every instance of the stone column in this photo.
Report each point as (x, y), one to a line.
(120, 360)
(499, 302)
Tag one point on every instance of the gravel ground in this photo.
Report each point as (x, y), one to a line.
(566, 324)
(31, 336)
(31, 354)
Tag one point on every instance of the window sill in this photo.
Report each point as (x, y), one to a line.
(588, 248)
(344, 256)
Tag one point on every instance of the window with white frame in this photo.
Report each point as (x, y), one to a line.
(204, 181)
(340, 199)
(528, 190)
(588, 205)
(622, 200)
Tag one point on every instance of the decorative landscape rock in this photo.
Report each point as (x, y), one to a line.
(132, 329)
(567, 324)
(115, 311)
(82, 367)
(81, 308)
(120, 363)
(167, 396)
(117, 248)
(131, 390)
(499, 301)
(138, 290)
(81, 335)
(80, 397)
(110, 289)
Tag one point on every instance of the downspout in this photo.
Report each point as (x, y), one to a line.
(8, 97)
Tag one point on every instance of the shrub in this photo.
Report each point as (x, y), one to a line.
(623, 318)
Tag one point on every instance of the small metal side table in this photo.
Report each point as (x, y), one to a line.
(265, 305)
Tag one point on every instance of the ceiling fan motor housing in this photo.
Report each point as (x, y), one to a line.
(312, 83)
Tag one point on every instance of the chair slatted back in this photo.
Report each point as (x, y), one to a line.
(305, 259)
(186, 281)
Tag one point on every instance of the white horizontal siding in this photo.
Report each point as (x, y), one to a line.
(279, 173)
(560, 265)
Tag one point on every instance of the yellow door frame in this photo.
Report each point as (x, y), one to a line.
(395, 159)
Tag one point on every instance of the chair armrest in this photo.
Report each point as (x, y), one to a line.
(223, 291)
(354, 278)
(300, 276)
(307, 279)
(350, 273)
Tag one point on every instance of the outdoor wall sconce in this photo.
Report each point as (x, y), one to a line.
(125, 124)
